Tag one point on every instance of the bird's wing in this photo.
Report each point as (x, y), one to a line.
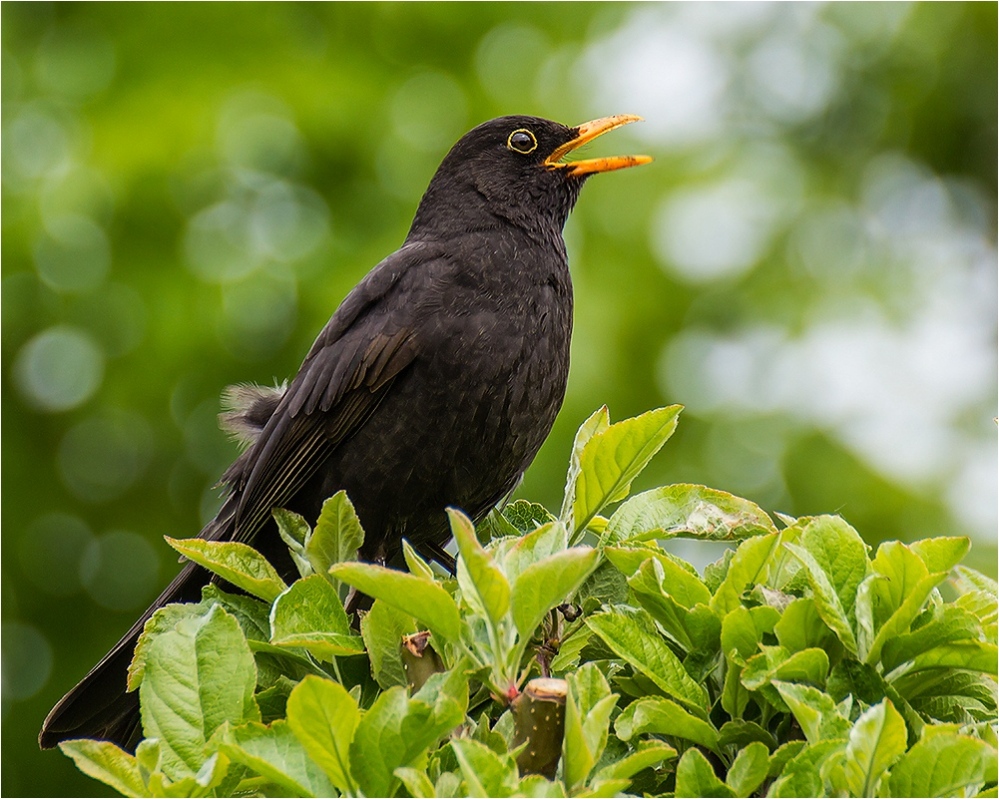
(351, 366)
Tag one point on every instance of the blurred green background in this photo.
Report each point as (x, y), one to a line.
(190, 189)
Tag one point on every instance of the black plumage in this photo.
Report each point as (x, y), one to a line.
(434, 384)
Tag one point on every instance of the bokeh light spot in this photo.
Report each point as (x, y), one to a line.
(101, 457)
(429, 111)
(120, 570)
(75, 62)
(50, 552)
(73, 255)
(59, 368)
(26, 658)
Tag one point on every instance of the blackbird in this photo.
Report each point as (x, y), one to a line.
(434, 384)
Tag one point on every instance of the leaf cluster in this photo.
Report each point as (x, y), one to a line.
(574, 656)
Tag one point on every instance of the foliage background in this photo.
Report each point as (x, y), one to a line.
(189, 190)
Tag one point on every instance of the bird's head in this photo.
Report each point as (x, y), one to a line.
(515, 168)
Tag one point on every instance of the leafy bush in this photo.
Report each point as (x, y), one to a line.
(575, 656)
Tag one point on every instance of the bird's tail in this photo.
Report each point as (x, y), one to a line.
(99, 706)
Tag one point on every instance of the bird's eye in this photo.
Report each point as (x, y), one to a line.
(522, 141)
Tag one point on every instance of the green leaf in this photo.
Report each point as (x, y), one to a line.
(615, 456)
(748, 567)
(310, 615)
(483, 584)
(546, 583)
(950, 623)
(417, 566)
(966, 580)
(632, 635)
(749, 769)
(827, 600)
(743, 629)
(338, 534)
(198, 676)
(517, 554)
(275, 753)
(889, 600)
(801, 627)
(688, 510)
(648, 755)
(236, 563)
(323, 717)
(417, 783)
(396, 731)
(696, 777)
(943, 765)
(840, 552)
(382, 629)
(597, 422)
(163, 620)
(104, 761)
(877, 740)
(941, 554)
(525, 517)
(485, 772)
(660, 716)
(589, 704)
(818, 715)
(664, 576)
(425, 601)
(294, 531)
(802, 774)
(971, 655)
(776, 663)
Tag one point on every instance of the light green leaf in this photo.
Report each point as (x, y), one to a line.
(943, 765)
(776, 663)
(801, 627)
(648, 754)
(971, 655)
(382, 629)
(597, 422)
(518, 554)
(338, 534)
(966, 580)
(198, 676)
(483, 584)
(417, 783)
(485, 772)
(802, 774)
(310, 615)
(660, 716)
(749, 769)
(688, 510)
(163, 620)
(425, 601)
(546, 583)
(104, 761)
(818, 715)
(826, 599)
(840, 552)
(632, 635)
(236, 563)
(941, 554)
(294, 531)
(323, 717)
(664, 576)
(695, 777)
(417, 566)
(743, 629)
(589, 704)
(950, 623)
(877, 740)
(275, 753)
(749, 566)
(613, 457)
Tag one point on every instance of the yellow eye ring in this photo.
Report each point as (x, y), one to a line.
(522, 141)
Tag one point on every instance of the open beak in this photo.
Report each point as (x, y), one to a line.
(586, 133)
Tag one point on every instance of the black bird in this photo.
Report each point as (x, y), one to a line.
(434, 384)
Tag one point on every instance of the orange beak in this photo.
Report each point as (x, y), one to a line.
(587, 132)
